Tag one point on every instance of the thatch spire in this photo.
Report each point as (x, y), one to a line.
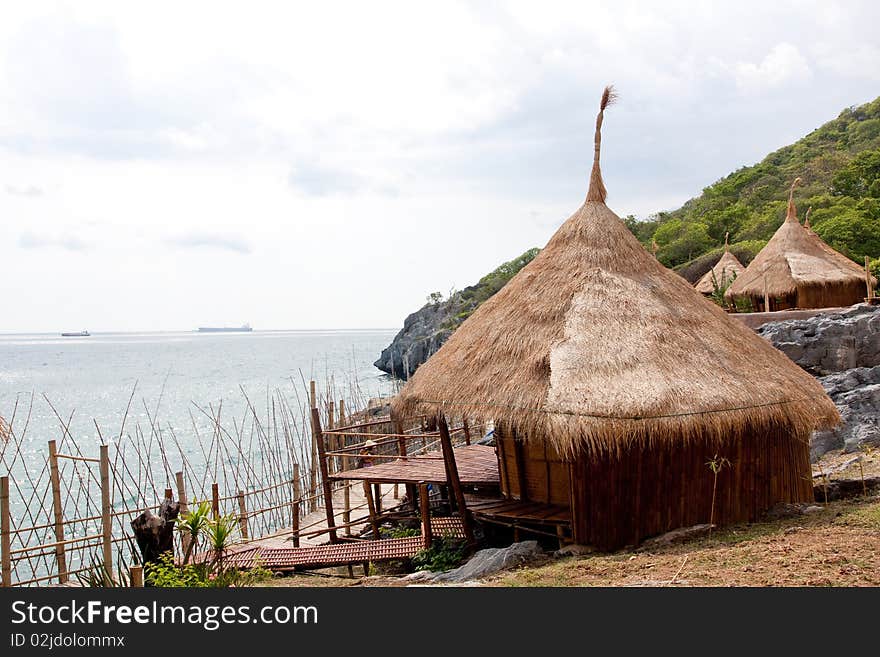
(807, 218)
(726, 245)
(597, 190)
(791, 215)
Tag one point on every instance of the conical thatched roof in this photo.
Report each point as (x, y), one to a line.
(726, 269)
(796, 260)
(596, 344)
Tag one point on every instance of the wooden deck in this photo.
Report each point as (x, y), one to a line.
(535, 517)
(477, 466)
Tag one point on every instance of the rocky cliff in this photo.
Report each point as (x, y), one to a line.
(843, 349)
(425, 331)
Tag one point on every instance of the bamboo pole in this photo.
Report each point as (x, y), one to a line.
(425, 506)
(294, 505)
(215, 501)
(467, 432)
(242, 515)
(325, 478)
(5, 534)
(331, 417)
(106, 527)
(454, 481)
(868, 278)
(136, 574)
(55, 479)
(313, 469)
(371, 505)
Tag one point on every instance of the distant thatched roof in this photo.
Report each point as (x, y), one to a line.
(795, 259)
(726, 269)
(596, 344)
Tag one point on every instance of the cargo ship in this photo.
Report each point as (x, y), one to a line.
(244, 328)
(76, 334)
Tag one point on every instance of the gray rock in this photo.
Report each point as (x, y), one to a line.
(493, 560)
(420, 576)
(829, 342)
(856, 393)
(423, 333)
(678, 535)
(812, 509)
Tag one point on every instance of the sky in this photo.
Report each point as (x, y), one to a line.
(328, 165)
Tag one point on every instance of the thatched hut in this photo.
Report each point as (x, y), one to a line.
(722, 274)
(796, 269)
(612, 384)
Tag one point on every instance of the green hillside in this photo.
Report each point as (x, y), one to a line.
(839, 165)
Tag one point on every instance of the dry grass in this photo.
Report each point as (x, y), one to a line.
(839, 546)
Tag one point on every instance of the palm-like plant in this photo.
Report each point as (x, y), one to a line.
(219, 532)
(192, 524)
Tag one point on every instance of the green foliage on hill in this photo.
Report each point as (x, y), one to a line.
(839, 165)
(461, 304)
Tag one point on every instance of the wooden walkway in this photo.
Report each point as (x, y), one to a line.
(285, 559)
(477, 466)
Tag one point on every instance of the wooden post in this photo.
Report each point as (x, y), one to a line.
(455, 482)
(181, 493)
(294, 505)
(313, 397)
(425, 506)
(182, 500)
(346, 508)
(54, 477)
(377, 497)
(5, 533)
(374, 521)
(766, 297)
(106, 528)
(868, 278)
(325, 478)
(169, 494)
(242, 516)
(331, 417)
(467, 431)
(215, 500)
(136, 574)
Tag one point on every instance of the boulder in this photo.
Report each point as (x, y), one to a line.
(856, 393)
(493, 560)
(829, 342)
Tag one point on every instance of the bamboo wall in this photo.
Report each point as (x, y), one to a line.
(815, 296)
(621, 501)
(534, 468)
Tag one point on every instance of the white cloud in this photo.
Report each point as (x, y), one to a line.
(784, 64)
(378, 151)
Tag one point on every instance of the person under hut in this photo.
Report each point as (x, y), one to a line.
(365, 456)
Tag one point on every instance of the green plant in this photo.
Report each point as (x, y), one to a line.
(399, 532)
(716, 464)
(219, 533)
(191, 525)
(445, 553)
(165, 573)
(719, 288)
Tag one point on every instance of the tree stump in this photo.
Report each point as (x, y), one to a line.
(155, 533)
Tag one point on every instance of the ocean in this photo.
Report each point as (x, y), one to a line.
(176, 378)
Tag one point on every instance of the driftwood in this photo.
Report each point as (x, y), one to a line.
(155, 533)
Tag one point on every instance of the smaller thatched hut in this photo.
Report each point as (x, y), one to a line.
(722, 274)
(798, 270)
